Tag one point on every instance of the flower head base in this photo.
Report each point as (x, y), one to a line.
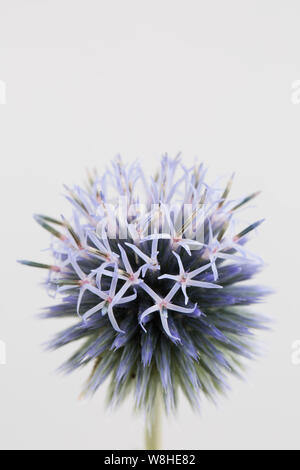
(155, 291)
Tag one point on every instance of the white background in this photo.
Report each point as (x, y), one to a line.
(86, 79)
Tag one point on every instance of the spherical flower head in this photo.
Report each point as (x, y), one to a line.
(151, 271)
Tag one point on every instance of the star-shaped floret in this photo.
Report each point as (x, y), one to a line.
(162, 305)
(85, 282)
(151, 262)
(185, 279)
(216, 249)
(109, 300)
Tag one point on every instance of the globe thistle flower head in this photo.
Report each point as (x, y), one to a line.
(151, 271)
